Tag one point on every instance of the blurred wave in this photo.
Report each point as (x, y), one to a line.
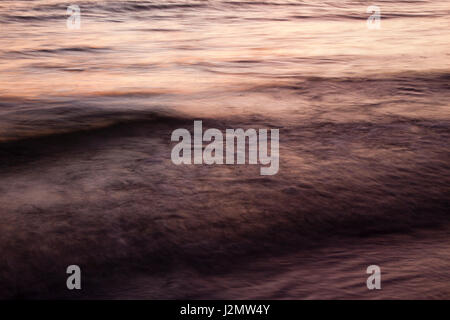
(85, 122)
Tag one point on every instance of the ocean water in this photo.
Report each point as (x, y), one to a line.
(86, 177)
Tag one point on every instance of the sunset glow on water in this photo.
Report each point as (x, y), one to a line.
(86, 117)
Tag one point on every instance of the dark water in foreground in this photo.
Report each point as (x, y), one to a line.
(85, 170)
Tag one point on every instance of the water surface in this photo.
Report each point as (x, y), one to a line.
(86, 177)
